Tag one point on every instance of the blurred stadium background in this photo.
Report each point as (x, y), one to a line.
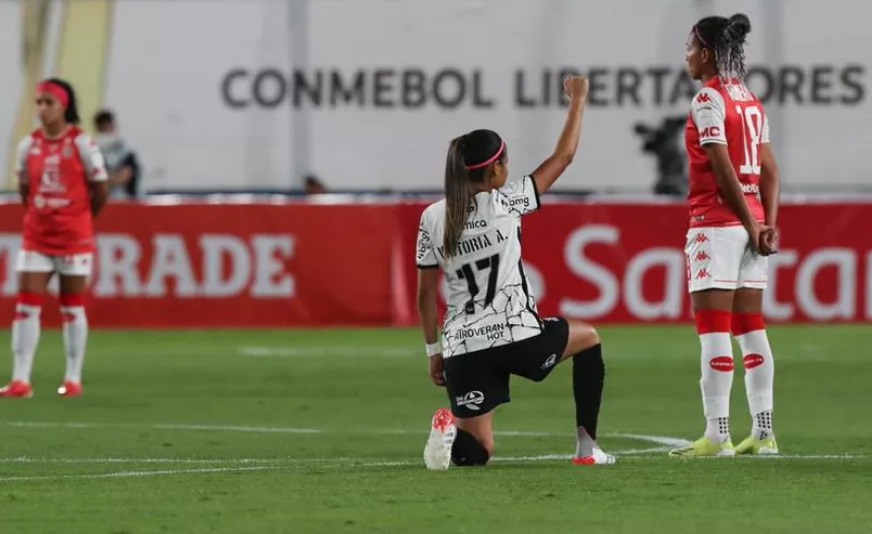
(287, 149)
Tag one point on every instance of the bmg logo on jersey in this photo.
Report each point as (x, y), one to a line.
(519, 200)
(470, 400)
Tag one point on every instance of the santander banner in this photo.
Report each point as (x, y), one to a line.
(282, 265)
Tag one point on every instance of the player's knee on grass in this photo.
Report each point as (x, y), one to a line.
(468, 451)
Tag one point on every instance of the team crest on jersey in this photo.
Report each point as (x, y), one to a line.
(67, 151)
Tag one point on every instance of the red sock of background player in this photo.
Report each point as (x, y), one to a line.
(25, 335)
(75, 335)
(750, 331)
(713, 328)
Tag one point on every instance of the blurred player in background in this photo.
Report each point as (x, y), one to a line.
(62, 181)
(731, 233)
(492, 329)
(122, 165)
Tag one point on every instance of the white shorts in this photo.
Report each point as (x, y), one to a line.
(722, 258)
(30, 261)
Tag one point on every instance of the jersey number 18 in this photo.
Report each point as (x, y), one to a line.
(752, 127)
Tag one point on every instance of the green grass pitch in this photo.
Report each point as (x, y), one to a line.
(322, 431)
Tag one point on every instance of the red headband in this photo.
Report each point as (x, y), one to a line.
(488, 161)
(54, 90)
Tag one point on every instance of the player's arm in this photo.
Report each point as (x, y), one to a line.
(428, 283)
(770, 186)
(428, 280)
(99, 195)
(124, 174)
(21, 169)
(95, 172)
(770, 192)
(729, 183)
(546, 174)
(24, 192)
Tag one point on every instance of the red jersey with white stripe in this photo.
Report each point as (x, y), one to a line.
(728, 114)
(58, 171)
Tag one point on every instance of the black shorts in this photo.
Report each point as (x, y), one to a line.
(478, 382)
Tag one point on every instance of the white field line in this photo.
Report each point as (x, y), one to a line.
(659, 440)
(163, 426)
(845, 456)
(639, 454)
(664, 442)
(346, 351)
(29, 460)
(256, 429)
(128, 474)
(360, 463)
(337, 461)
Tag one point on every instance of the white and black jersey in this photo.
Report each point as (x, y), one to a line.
(489, 299)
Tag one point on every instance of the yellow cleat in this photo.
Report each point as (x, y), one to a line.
(752, 445)
(704, 447)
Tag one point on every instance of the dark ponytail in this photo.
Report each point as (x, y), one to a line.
(71, 114)
(458, 193)
(727, 38)
(470, 159)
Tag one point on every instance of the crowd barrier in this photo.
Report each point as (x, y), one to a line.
(208, 264)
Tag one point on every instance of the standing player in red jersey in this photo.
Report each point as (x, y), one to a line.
(62, 181)
(731, 233)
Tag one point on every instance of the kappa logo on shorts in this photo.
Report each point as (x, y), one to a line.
(471, 400)
(700, 238)
(702, 98)
(702, 256)
(549, 362)
(702, 274)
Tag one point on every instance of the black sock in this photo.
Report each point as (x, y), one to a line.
(467, 451)
(588, 377)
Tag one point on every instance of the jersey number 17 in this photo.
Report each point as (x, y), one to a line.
(466, 273)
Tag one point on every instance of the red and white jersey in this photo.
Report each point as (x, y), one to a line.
(728, 114)
(57, 172)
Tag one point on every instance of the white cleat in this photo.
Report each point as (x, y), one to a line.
(437, 451)
(599, 457)
(603, 458)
